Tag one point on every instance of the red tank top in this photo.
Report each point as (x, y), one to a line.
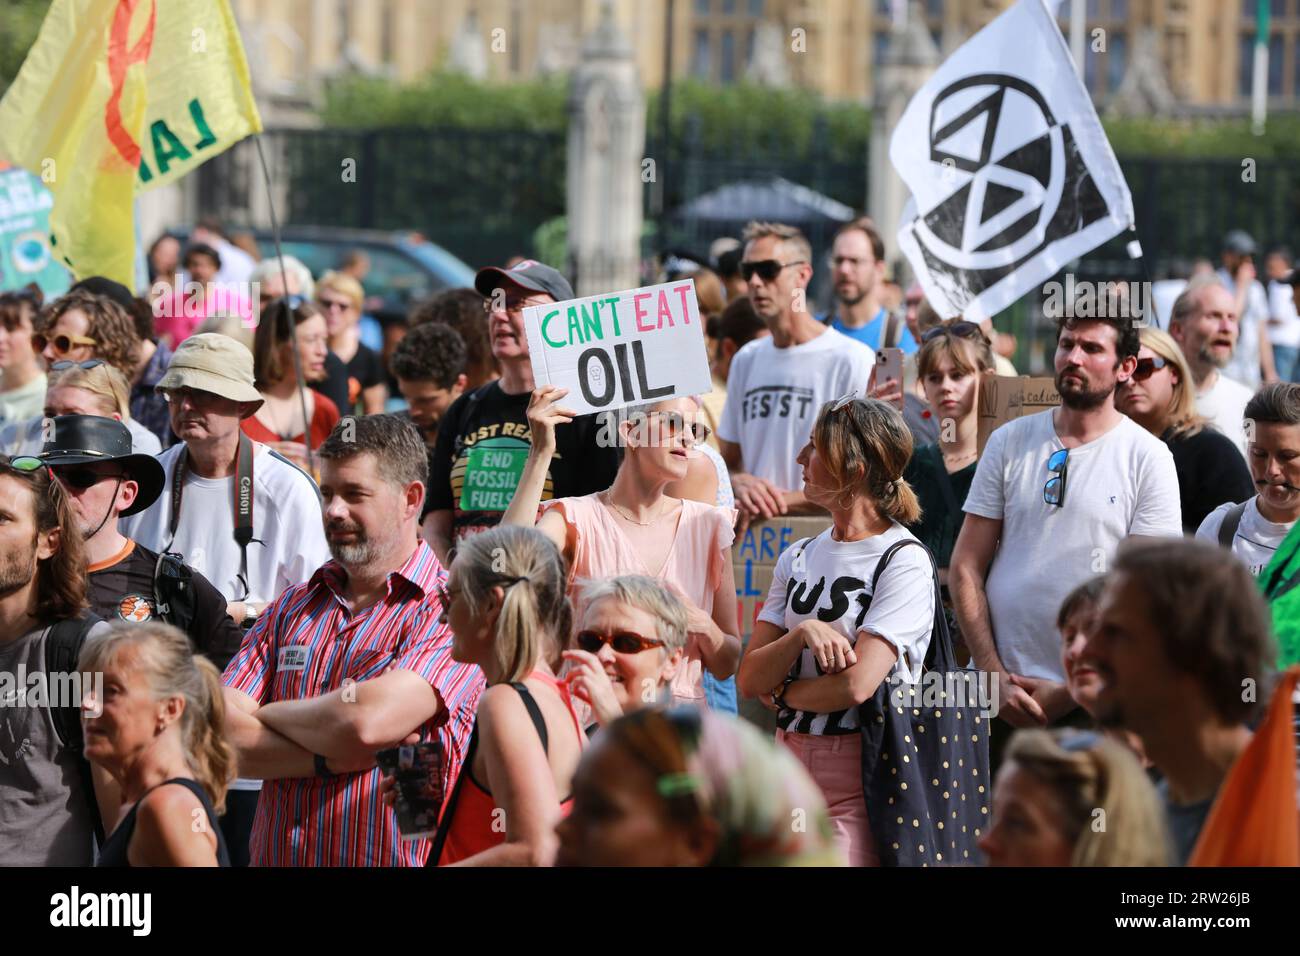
(474, 824)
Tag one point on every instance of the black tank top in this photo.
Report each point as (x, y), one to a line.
(113, 852)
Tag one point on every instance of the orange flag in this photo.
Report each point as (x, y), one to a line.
(1255, 821)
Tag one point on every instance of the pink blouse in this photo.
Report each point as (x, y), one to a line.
(700, 550)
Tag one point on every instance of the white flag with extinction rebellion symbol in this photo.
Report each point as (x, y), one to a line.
(1010, 171)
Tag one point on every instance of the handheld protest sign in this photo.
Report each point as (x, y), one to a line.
(622, 348)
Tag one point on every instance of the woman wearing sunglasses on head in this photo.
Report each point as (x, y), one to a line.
(628, 648)
(950, 365)
(827, 637)
(505, 601)
(91, 387)
(1161, 397)
(633, 527)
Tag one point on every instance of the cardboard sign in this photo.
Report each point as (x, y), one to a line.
(753, 558)
(620, 349)
(1004, 398)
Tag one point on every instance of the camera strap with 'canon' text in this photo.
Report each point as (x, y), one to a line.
(241, 503)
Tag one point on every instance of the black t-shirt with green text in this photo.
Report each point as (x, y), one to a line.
(483, 441)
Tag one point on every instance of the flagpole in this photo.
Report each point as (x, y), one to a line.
(1078, 30)
(284, 277)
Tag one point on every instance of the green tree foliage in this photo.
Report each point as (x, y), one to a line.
(727, 118)
(20, 21)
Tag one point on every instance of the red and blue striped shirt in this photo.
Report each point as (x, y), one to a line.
(307, 644)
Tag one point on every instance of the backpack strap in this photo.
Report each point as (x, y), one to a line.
(62, 650)
(1231, 521)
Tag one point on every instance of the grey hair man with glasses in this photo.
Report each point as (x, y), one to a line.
(1053, 496)
(777, 384)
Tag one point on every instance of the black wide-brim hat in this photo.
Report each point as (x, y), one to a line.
(92, 439)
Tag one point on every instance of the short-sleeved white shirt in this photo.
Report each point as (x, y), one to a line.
(831, 580)
(1120, 484)
(774, 395)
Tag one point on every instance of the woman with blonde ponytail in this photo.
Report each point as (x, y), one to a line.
(848, 609)
(155, 725)
(507, 605)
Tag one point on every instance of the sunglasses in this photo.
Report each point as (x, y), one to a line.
(1147, 367)
(62, 364)
(675, 423)
(63, 344)
(767, 269)
(83, 478)
(334, 305)
(623, 642)
(28, 464)
(961, 330)
(1054, 490)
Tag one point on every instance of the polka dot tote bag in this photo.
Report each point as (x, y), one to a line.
(925, 755)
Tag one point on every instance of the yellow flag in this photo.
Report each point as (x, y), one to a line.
(116, 97)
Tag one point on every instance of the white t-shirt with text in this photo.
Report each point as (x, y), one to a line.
(831, 580)
(1256, 538)
(1120, 484)
(774, 395)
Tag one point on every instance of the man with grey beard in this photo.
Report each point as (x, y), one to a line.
(355, 660)
(1204, 323)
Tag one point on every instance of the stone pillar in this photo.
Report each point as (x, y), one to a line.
(909, 60)
(605, 151)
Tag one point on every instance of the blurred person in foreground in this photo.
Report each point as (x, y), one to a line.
(1073, 798)
(1182, 651)
(690, 788)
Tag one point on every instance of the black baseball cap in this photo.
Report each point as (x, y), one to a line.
(529, 275)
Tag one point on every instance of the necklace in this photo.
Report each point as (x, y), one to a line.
(273, 411)
(957, 458)
(609, 500)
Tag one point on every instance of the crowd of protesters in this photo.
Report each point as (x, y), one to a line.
(280, 548)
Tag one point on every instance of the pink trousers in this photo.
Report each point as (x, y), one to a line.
(835, 763)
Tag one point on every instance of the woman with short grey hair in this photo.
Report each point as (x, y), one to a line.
(628, 648)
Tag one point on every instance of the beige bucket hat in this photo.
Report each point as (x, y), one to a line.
(216, 363)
